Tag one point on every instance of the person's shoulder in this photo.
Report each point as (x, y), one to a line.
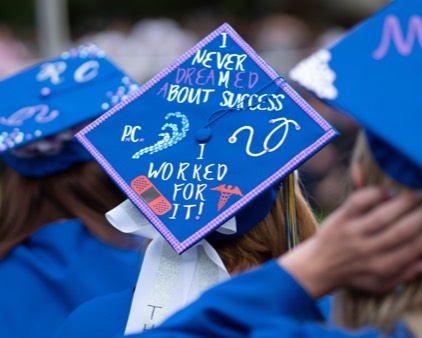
(108, 304)
(104, 316)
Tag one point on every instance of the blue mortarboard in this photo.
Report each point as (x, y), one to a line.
(374, 74)
(55, 95)
(212, 134)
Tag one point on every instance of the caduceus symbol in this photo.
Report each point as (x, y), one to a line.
(225, 193)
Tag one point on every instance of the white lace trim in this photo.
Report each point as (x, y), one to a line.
(315, 74)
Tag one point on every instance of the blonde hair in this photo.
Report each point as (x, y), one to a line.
(354, 309)
(267, 239)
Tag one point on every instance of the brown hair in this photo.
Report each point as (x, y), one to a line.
(354, 309)
(83, 192)
(267, 239)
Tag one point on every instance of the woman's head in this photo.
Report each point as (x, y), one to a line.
(380, 92)
(267, 239)
(50, 175)
(82, 192)
(365, 170)
(355, 309)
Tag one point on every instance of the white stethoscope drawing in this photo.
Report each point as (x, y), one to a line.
(266, 149)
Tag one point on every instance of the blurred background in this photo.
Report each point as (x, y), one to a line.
(143, 37)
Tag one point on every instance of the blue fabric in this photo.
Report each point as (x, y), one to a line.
(103, 317)
(287, 327)
(54, 271)
(284, 327)
(394, 164)
(208, 314)
(59, 93)
(254, 131)
(72, 153)
(232, 310)
(250, 215)
(373, 74)
(265, 303)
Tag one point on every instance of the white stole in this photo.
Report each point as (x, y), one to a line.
(167, 281)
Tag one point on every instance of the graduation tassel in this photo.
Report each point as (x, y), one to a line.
(290, 220)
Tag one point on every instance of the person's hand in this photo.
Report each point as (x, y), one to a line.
(371, 242)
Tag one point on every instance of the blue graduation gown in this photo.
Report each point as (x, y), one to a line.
(103, 317)
(287, 327)
(267, 302)
(55, 270)
(235, 308)
(107, 316)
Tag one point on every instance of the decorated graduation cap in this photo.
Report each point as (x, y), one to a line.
(205, 138)
(200, 150)
(373, 74)
(44, 105)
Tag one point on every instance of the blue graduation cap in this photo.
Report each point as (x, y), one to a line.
(59, 93)
(373, 74)
(212, 134)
